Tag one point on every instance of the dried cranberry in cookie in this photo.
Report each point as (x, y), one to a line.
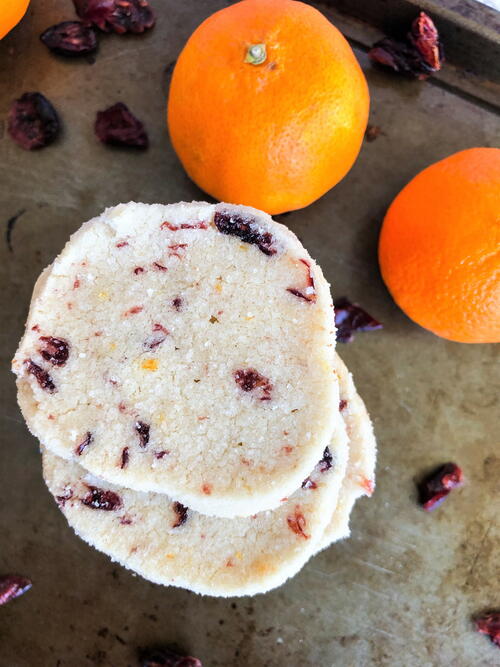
(186, 334)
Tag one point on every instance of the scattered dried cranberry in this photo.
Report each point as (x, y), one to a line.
(182, 514)
(98, 499)
(184, 225)
(350, 318)
(245, 229)
(33, 122)
(143, 431)
(12, 586)
(84, 443)
(436, 486)
(61, 500)
(309, 484)
(165, 657)
(42, 377)
(419, 55)
(157, 337)
(117, 126)
(118, 16)
(70, 38)
(177, 303)
(55, 350)
(309, 294)
(124, 458)
(249, 379)
(489, 624)
(327, 461)
(342, 404)
(297, 523)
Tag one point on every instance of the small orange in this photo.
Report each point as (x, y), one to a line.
(267, 105)
(439, 248)
(11, 12)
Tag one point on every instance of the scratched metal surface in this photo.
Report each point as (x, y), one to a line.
(402, 590)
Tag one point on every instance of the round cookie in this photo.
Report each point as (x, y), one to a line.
(360, 473)
(170, 544)
(183, 349)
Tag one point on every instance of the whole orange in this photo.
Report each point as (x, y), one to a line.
(439, 247)
(11, 12)
(267, 105)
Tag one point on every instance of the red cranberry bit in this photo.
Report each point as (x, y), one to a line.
(327, 461)
(245, 229)
(133, 311)
(160, 455)
(350, 318)
(309, 294)
(177, 303)
(84, 443)
(35, 328)
(158, 336)
(177, 250)
(434, 488)
(160, 267)
(309, 484)
(121, 244)
(118, 16)
(489, 624)
(33, 122)
(117, 126)
(124, 458)
(184, 225)
(419, 54)
(12, 586)
(368, 485)
(165, 657)
(76, 284)
(181, 514)
(61, 500)
(138, 269)
(342, 404)
(42, 377)
(98, 499)
(249, 379)
(207, 489)
(55, 350)
(70, 38)
(126, 521)
(297, 523)
(143, 431)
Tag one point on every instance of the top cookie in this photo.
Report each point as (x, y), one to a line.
(184, 349)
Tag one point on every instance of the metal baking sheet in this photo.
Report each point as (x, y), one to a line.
(402, 589)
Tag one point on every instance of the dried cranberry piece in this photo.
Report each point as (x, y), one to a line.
(55, 350)
(118, 16)
(117, 126)
(42, 377)
(184, 225)
(33, 122)
(143, 431)
(182, 514)
(249, 379)
(84, 443)
(70, 38)
(98, 499)
(309, 484)
(434, 488)
(159, 334)
(349, 318)
(419, 55)
(297, 523)
(245, 229)
(309, 294)
(61, 500)
(165, 657)
(12, 586)
(177, 303)
(342, 404)
(124, 458)
(489, 624)
(327, 461)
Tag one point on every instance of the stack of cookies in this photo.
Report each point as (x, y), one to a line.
(196, 425)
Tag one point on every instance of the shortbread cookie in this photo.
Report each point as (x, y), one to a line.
(170, 544)
(360, 474)
(184, 349)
